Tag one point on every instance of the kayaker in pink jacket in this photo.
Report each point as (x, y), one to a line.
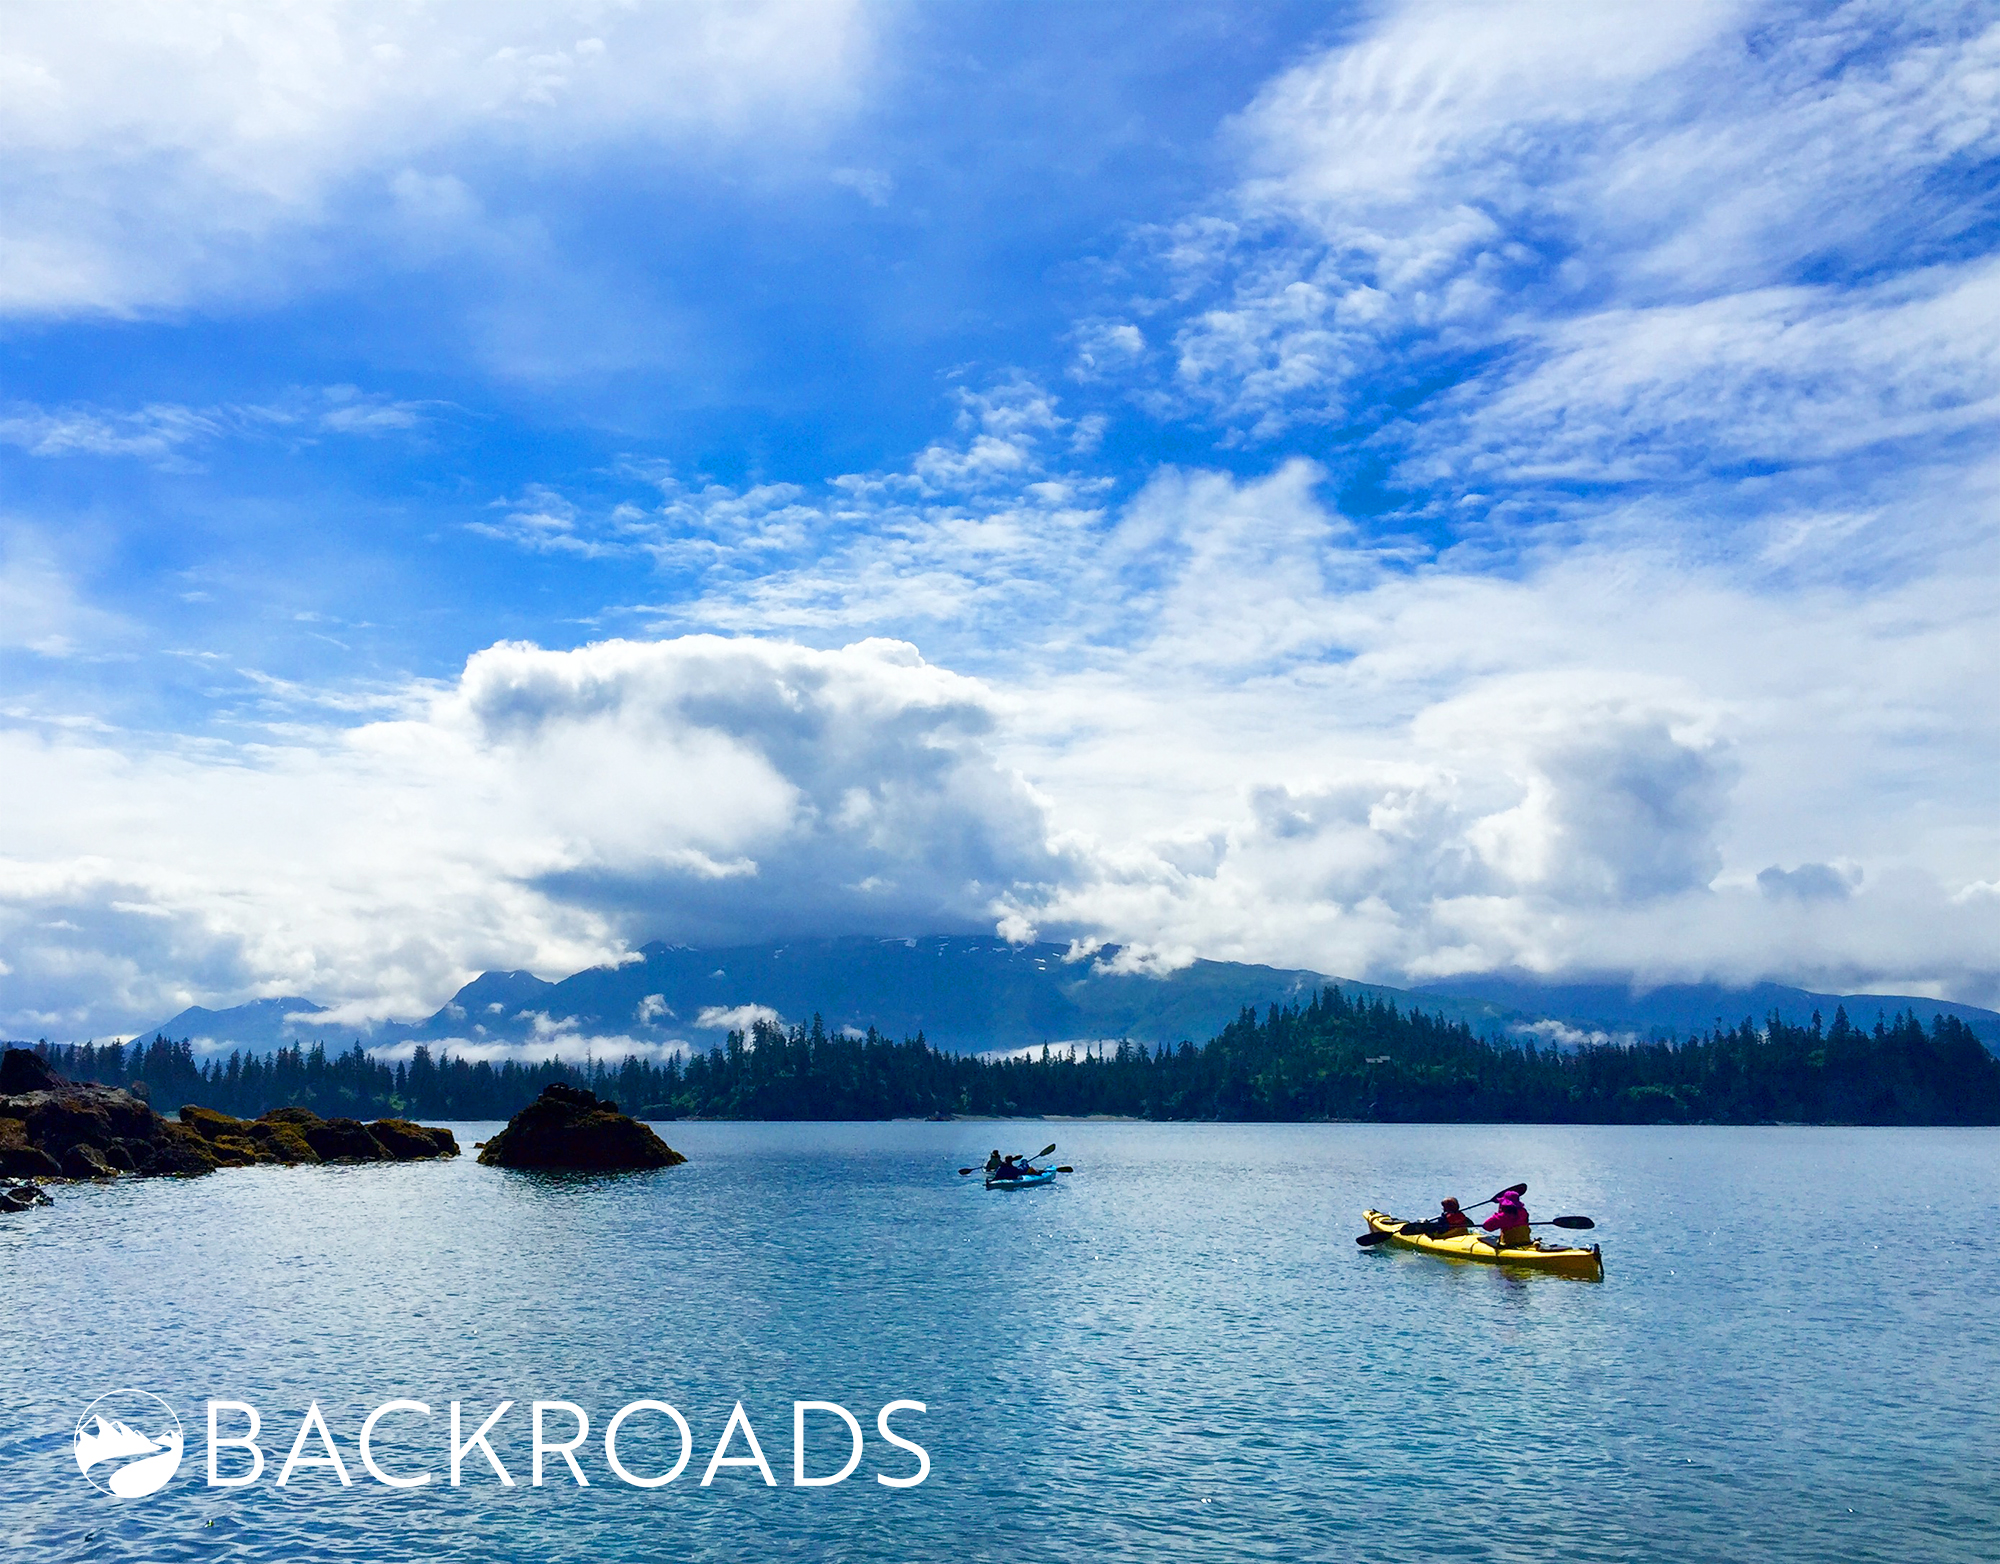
(1510, 1221)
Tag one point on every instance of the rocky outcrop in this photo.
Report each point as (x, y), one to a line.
(406, 1141)
(569, 1128)
(295, 1135)
(55, 1128)
(22, 1070)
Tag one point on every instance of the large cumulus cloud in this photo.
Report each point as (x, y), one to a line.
(542, 812)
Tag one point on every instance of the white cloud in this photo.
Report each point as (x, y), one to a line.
(736, 1018)
(1772, 377)
(531, 815)
(1211, 725)
(1726, 722)
(163, 431)
(575, 1047)
(1808, 882)
(873, 185)
(1514, 181)
(1260, 735)
(42, 609)
(149, 151)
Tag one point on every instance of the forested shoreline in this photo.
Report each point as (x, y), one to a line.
(1334, 1058)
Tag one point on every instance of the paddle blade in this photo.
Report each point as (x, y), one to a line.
(1065, 1170)
(1370, 1240)
(963, 1171)
(1574, 1221)
(1047, 1150)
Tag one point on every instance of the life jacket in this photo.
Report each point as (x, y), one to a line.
(1510, 1220)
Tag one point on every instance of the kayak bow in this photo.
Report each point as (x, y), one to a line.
(1555, 1259)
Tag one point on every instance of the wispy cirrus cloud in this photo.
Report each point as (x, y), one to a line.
(160, 431)
(1769, 215)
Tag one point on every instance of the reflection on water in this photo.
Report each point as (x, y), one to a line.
(1178, 1353)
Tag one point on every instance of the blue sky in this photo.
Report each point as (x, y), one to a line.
(1398, 490)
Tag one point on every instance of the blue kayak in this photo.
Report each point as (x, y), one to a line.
(1045, 1176)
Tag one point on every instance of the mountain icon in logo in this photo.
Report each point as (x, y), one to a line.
(115, 1451)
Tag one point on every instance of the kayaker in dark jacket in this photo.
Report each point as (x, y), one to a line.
(1510, 1221)
(993, 1162)
(1450, 1221)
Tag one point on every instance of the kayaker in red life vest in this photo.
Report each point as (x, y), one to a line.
(1510, 1221)
(1450, 1221)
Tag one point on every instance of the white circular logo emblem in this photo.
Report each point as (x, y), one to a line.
(128, 1444)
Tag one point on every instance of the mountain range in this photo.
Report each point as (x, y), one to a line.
(973, 994)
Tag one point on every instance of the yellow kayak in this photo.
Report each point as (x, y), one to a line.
(1586, 1263)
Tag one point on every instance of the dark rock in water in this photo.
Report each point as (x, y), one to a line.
(295, 1135)
(20, 1159)
(85, 1161)
(343, 1140)
(78, 1129)
(568, 1127)
(406, 1141)
(22, 1071)
(22, 1197)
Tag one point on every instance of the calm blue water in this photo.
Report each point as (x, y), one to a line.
(1179, 1353)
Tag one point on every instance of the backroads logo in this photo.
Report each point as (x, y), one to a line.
(116, 1453)
(129, 1443)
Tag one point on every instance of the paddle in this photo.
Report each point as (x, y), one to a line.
(1432, 1230)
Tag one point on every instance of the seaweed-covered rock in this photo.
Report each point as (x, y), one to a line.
(84, 1160)
(20, 1158)
(282, 1141)
(408, 1141)
(179, 1152)
(295, 1135)
(209, 1124)
(343, 1140)
(78, 1129)
(568, 1127)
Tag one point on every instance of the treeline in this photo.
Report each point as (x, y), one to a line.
(1334, 1058)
